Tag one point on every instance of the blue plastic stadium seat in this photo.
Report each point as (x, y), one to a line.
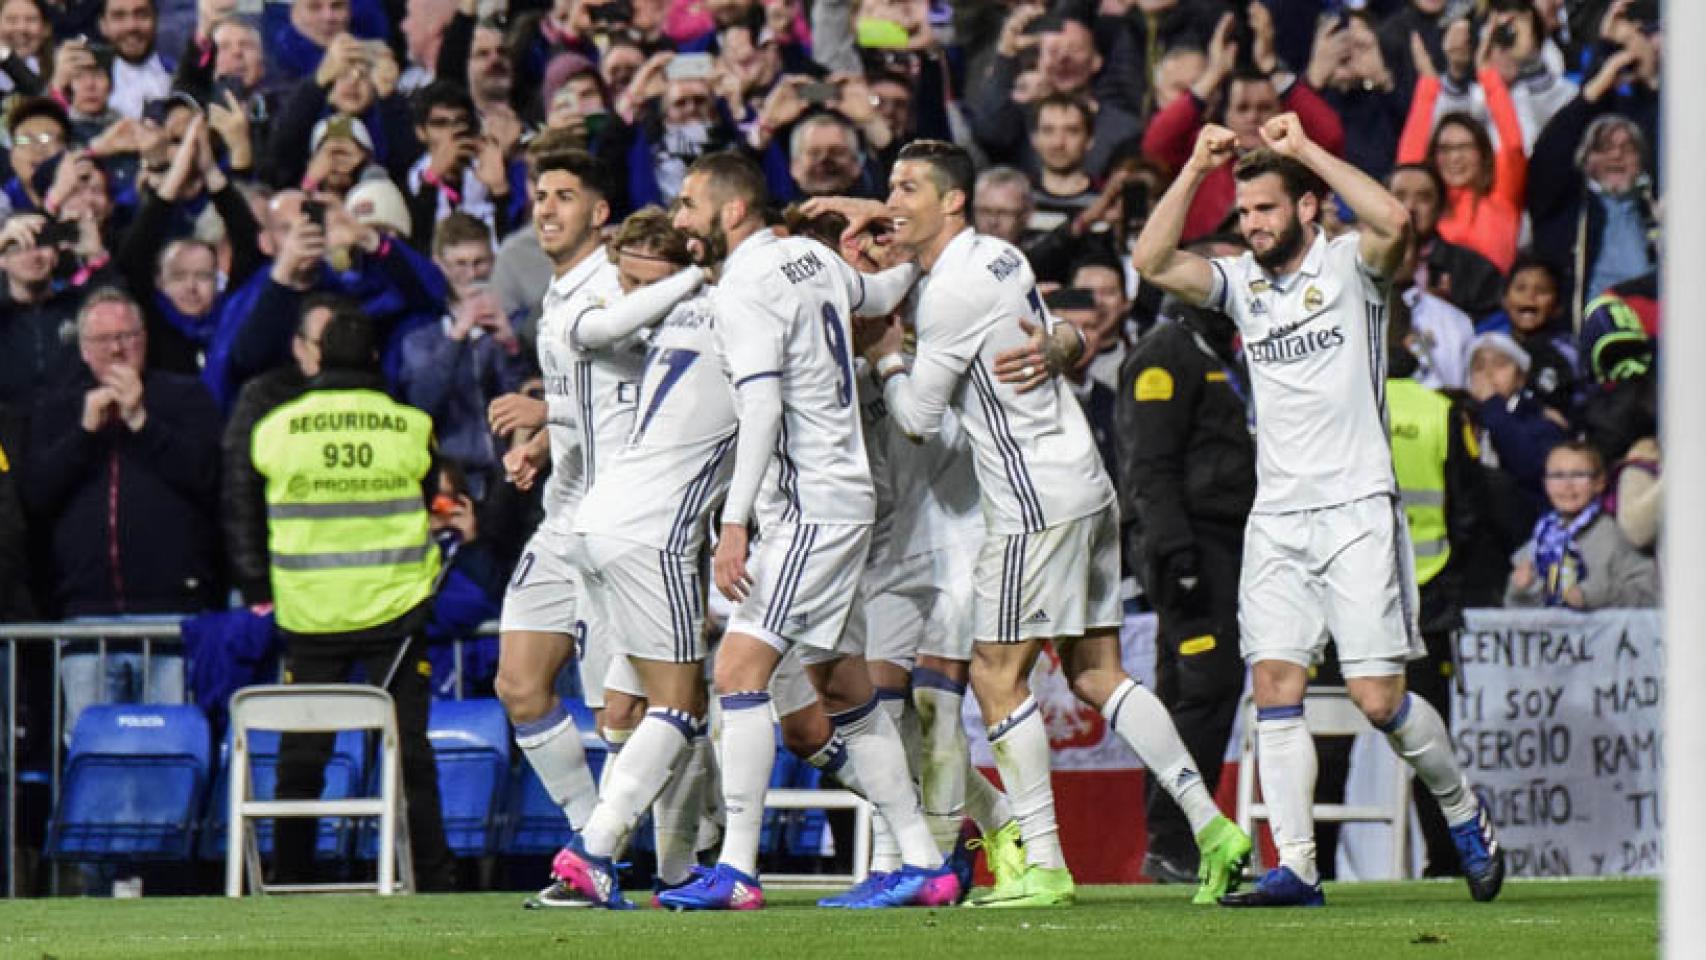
(470, 741)
(135, 779)
(793, 833)
(346, 776)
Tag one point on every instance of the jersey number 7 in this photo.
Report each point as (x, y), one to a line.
(674, 363)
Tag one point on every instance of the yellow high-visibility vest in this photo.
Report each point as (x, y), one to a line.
(346, 519)
(1420, 425)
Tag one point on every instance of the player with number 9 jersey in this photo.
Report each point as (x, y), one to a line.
(784, 307)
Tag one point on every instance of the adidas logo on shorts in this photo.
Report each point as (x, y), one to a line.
(1037, 617)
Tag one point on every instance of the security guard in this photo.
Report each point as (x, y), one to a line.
(1437, 460)
(1187, 468)
(347, 474)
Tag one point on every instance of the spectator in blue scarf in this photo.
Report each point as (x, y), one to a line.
(1578, 557)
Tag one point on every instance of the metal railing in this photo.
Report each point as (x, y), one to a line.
(147, 638)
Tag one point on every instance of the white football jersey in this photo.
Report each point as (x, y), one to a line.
(927, 495)
(1034, 455)
(600, 385)
(674, 468)
(784, 309)
(1316, 347)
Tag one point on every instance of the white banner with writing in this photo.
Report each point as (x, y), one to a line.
(1560, 728)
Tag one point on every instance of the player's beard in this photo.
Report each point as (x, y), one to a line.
(1286, 245)
(713, 246)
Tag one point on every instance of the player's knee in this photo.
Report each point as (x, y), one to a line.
(805, 732)
(525, 700)
(621, 712)
(1378, 702)
(1094, 687)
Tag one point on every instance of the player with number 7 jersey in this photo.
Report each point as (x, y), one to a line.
(783, 308)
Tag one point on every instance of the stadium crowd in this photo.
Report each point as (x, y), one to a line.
(186, 182)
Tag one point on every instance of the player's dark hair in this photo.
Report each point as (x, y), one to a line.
(549, 154)
(1064, 101)
(733, 176)
(348, 343)
(1298, 179)
(951, 167)
(826, 228)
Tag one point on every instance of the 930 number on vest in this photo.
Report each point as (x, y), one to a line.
(344, 456)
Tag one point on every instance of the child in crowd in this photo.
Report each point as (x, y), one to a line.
(1577, 557)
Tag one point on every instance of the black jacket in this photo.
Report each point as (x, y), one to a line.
(38, 343)
(1473, 284)
(15, 600)
(1185, 450)
(242, 498)
(131, 516)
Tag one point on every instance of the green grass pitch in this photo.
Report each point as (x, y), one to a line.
(1425, 920)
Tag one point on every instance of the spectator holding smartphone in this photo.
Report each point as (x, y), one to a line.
(452, 369)
(38, 339)
(462, 169)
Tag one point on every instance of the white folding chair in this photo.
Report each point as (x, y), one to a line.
(1327, 712)
(778, 799)
(317, 708)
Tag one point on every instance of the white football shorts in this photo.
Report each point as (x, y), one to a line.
(1344, 572)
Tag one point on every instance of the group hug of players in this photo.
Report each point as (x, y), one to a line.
(907, 501)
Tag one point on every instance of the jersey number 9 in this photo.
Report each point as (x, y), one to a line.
(835, 336)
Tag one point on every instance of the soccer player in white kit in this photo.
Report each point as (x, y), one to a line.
(589, 401)
(783, 308)
(917, 595)
(1326, 551)
(1050, 567)
(642, 530)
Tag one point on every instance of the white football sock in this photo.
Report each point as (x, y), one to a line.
(552, 745)
(749, 753)
(885, 849)
(874, 751)
(1143, 722)
(1020, 744)
(943, 755)
(985, 805)
(1419, 735)
(1287, 765)
(647, 763)
(677, 811)
(711, 816)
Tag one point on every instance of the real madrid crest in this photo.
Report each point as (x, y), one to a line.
(1312, 299)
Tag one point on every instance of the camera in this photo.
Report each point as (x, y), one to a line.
(315, 211)
(1504, 36)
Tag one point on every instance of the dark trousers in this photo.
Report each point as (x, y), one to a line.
(1200, 687)
(302, 756)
